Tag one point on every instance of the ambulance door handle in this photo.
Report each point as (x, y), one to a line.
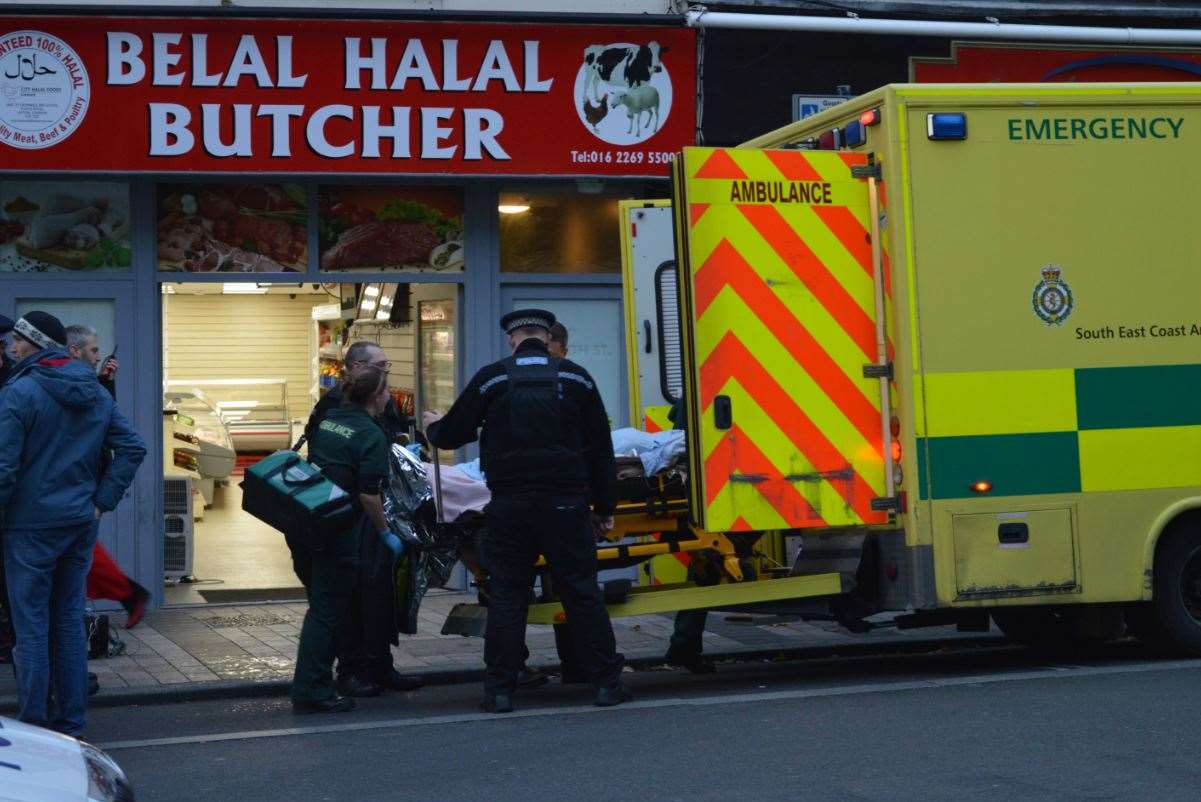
(1013, 533)
(646, 328)
(723, 414)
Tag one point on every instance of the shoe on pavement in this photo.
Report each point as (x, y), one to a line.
(611, 695)
(135, 606)
(356, 687)
(93, 684)
(530, 678)
(497, 703)
(336, 704)
(395, 681)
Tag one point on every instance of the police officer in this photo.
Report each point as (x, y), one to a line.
(547, 454)
(352, 451)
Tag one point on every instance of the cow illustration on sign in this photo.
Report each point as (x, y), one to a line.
(623, 74)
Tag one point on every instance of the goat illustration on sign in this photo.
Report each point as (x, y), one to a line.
(623, 74)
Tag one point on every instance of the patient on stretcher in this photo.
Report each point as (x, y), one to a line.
(464, 488)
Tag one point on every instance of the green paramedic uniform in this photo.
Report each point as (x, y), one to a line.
(352, 452)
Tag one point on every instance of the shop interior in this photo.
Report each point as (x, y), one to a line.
(243, 366)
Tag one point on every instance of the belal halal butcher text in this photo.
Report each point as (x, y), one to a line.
(329, 130)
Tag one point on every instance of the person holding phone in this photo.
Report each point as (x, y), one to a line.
(106, 580)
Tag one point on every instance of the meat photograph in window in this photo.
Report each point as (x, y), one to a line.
(391, 228)
(53, 226)
(232, 228)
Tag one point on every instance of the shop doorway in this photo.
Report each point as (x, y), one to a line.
(596, 333)
(243, 366)
(107, 308)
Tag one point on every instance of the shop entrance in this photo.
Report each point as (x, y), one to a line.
(107, 308)
(592, 315)
(243, 366)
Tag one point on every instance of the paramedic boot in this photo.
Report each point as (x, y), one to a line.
(497, 703)
(610, 695)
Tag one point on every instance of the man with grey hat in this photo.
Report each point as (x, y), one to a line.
(547, 453)
(55, 421)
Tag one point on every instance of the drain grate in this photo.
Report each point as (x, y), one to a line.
(244, 621)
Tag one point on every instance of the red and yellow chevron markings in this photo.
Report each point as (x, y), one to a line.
(784, 322)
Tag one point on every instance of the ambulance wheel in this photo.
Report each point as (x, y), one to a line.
(1176, 593)
(1047, 629)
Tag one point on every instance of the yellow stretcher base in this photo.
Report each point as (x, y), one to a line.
(643, 601)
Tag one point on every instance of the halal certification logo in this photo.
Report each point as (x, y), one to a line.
(1052, 300)
(44, 90)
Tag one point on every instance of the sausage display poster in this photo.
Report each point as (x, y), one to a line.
(319, 96)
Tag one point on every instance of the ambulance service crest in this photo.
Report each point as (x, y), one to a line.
(1052, 300)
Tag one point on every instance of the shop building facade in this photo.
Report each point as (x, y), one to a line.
(182, 183)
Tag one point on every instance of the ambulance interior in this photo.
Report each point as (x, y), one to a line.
(243, 366)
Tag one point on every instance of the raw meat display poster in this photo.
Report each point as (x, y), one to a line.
(391, 228)
(53, 226)
(232, 228)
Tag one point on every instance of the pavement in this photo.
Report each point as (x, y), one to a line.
(239, 650)
(983, 723)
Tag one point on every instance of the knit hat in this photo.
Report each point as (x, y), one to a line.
(42, 329)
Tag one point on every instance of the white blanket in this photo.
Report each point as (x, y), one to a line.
(463, 485)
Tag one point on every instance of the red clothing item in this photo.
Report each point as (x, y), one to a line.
(106, 580)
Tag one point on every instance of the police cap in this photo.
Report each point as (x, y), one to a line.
(520, 318)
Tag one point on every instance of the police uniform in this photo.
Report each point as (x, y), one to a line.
(547, 454)
(353, 453)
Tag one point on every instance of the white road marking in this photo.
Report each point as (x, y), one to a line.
(1050, 672)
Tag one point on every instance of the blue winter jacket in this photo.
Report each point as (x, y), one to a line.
(55, 419)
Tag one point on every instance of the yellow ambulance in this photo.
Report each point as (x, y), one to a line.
(943, 343)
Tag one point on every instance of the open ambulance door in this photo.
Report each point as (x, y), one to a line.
(648, 261)
(785, 355)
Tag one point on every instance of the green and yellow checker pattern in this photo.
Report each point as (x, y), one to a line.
(1044, 432)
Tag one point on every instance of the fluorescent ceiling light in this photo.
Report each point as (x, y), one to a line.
(238, 288)
(512, 208)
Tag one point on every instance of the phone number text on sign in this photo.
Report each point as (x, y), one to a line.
(622, 157)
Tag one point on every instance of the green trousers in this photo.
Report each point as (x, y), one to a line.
(332, 568)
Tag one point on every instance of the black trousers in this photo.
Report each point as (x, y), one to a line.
(365, 639)
(519, 528)
(329, 570)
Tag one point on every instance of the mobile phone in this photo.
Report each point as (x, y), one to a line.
(105, 361)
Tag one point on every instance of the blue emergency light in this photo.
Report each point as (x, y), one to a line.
(946, 125)
(854, 134)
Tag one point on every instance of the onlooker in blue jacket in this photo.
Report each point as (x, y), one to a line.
(55, 419)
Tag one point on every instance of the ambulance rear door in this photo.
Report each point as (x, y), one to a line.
(652, 313)
(782, 342)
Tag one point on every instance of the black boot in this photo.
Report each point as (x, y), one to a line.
(497, 703)
(611, 695)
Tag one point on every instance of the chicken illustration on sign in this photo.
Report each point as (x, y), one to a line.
(625, 75)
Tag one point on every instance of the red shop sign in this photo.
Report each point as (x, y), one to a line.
(1009, 63)
(322, 96)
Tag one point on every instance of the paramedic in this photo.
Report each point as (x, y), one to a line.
(547, 454)
(353, 453)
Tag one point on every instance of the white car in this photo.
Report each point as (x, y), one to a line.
(38, 765)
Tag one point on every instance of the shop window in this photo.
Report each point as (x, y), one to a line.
(232, 228)
(375, 228)
(558, 232)
(55, 226)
